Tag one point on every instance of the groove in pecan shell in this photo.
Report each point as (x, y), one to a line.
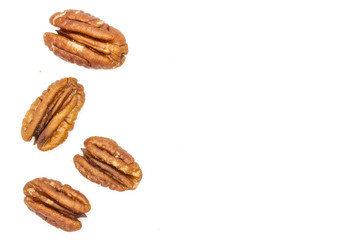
(58, 204)
(86, 40)
(53, 114)
(106, 163)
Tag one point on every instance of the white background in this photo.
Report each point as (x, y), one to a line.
(243, 115)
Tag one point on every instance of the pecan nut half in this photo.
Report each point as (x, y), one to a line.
(59, 205)
(86, 40)
(106, 163)
(53, 114)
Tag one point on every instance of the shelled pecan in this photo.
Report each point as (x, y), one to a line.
(59, 205)
(86, 40)
(53, 114)
(106, 163)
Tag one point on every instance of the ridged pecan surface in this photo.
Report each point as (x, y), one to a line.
(58, 204)
(86, 40)
(53, 114)
(106, 163)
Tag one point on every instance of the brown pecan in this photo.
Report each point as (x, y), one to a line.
(86, 40)
(60, 205)
(53, 114)
(106, 163)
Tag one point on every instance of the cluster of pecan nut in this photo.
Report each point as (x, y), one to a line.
(89, 42)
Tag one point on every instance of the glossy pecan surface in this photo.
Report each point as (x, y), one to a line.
(86, 40)
(53, 114)
(59, 205)
(106, 163)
